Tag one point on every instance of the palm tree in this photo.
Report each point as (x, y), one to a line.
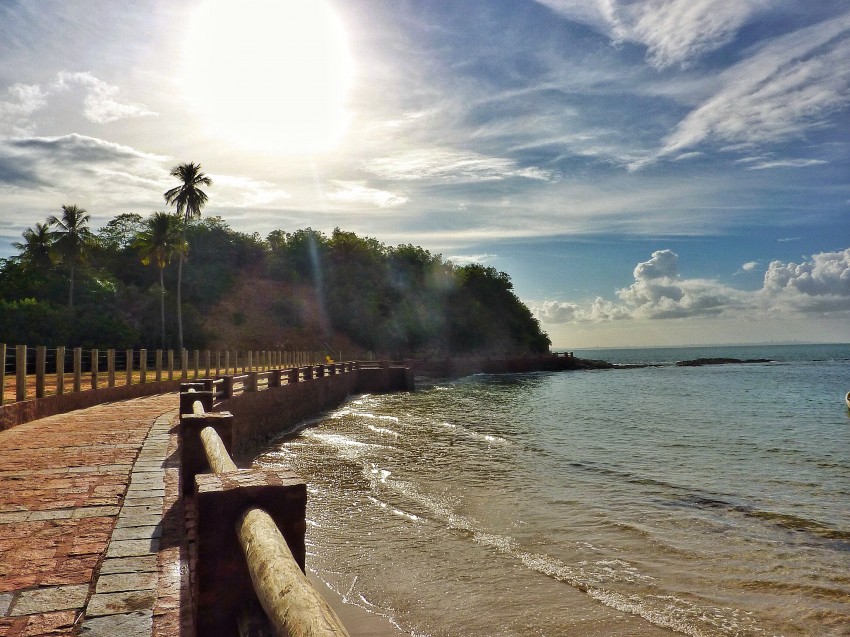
(72, 240)
(189, 199)
(36, 246)
(159, 242)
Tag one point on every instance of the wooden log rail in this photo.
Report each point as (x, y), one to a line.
(232, 516)
(36, 372)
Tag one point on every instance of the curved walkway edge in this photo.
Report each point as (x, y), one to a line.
(88, 512)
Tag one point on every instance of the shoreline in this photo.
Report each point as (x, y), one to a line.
(358, 621)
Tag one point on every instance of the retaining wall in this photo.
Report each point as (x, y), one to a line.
(14, 414)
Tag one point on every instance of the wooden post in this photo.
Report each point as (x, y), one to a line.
(274, 378)
(250, 360)
(143, 366)
(227, 387)
(171, 364)
(251, 382)
(40, 364)
(158, 363)
(21, 373)
(236, 362)
(60, 370)
(2, 373)
(207, 363)
(197, 357)
(128, 366)
(226, 363)
(94, 370)
(184, 364)
(110, 367)
(78, 369)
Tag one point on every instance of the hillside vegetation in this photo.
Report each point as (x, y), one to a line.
(292, 290)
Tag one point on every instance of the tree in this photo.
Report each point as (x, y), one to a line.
(159, 242)
(36, 246)
(121, 232)
(189, 199)
(72, 240)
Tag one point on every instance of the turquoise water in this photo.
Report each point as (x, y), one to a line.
(702, 501)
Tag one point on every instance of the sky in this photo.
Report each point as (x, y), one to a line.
(649, 173)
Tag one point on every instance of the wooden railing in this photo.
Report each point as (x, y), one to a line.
(291, 605)
(36, 372)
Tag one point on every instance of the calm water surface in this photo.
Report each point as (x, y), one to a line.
(703, 501)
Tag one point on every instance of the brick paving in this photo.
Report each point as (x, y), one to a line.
(85, 498)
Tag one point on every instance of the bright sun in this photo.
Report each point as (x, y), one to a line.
(270, 74)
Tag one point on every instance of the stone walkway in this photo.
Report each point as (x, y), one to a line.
(86, 499)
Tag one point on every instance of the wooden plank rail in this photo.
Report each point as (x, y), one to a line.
(285, 593)
(293, 607)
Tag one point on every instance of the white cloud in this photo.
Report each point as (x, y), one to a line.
(817, 287)
(460, 259)
(25, 99)
(788, 163)
(101, 104)
(820, 285)
(673, 31)
(449, 165)
(783, 89)
(88, 171)
(597, 311)
(357, 192)
(554, 312)
(244, 192)
(660, 292)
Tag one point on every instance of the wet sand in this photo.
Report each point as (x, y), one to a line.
(358, 621)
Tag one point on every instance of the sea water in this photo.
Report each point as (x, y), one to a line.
(704, 501)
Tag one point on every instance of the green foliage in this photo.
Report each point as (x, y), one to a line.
(398, 301)
(405, 300)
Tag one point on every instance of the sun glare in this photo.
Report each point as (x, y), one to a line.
(270, 74)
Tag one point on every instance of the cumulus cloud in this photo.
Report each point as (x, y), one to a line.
(597, 311)
(452, 166)
(673, 31)
(357, 192)
(819, 286)
(23, 101)
(660, 292)
(101, 104)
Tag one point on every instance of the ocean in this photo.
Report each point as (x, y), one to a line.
(704, 501)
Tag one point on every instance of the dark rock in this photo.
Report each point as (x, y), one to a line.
(697, 362)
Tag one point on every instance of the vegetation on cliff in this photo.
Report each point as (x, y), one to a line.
(311, 290)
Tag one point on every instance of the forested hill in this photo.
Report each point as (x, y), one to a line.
(302, 289)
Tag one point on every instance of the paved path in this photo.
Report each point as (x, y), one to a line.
(88, 512)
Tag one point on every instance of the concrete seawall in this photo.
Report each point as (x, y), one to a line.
(262, 415)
